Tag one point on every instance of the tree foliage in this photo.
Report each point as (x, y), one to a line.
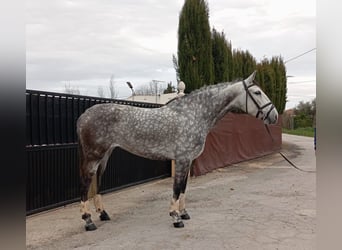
(170, 88)
(244, 64)
(112, 91)
(202, 61)
(221, 49)
(176, 67)
(195, 60)
(71, 90)
(305, 113)
(100, 91)
(153, 88)
(271, 74)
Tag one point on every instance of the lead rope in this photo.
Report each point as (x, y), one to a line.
(267, 128)
(292, 164)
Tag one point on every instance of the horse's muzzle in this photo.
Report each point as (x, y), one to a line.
(272, 117)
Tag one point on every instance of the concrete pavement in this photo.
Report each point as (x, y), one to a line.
(260, 204)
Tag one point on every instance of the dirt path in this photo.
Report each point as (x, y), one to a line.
(259, 204)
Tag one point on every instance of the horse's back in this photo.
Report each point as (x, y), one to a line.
(102, 114)
(149, 133)
(99, 122)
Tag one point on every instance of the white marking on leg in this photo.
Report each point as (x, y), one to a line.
(85, 207)
(174, 206)
(98, 203)
(93, 187)
(181, 202)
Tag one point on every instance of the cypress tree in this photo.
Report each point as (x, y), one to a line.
(237, 64)
(244, 64)
(230, 61)
(206, 58)
(271, 74)
(195, 60)
(281, 83)
(220, 56)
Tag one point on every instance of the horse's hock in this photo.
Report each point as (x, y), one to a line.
(243, 136)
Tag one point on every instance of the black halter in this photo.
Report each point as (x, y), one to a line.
(255, 102)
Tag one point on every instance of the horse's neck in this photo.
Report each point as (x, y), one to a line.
(211, 106)
(224, 101)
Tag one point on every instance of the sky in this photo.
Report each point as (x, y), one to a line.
(82, 44)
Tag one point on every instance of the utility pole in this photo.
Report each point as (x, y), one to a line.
(156, 88)
(131, 87)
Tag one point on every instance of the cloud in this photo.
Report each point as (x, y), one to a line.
(84, 42)
(70, 40)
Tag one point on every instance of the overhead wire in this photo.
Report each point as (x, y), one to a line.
(293, 58)
(302, 81)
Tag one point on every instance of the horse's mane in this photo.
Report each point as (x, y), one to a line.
(203, 89)
(212, 86)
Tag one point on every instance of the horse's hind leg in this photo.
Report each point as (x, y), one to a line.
(179, 184)
(98, 198)
(99, 204)
(86, 179)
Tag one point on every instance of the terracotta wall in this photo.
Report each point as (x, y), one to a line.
(236, 138)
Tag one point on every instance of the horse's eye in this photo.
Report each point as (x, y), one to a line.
(257, 92)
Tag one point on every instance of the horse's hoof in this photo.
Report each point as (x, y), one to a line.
(104, 216)
(185, 216)
(178, 224)
(90, 227)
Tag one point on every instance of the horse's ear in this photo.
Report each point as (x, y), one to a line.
(251, 77)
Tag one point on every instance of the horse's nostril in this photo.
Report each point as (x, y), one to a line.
(276, 117)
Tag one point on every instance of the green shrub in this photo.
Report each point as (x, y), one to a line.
(308, 131)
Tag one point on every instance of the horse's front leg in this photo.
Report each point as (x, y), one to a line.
(183, 213)
(178, 199)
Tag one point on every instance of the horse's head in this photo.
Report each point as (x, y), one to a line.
(257, 103)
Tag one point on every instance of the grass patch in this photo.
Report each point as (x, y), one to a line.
(300, 131)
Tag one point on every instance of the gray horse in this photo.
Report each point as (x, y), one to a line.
(174, 131)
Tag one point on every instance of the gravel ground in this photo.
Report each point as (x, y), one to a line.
(259, 204)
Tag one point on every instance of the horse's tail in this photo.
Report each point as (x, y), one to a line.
(84, 173)
(80, 155)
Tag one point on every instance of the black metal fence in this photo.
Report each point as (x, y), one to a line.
(51, 152)
(51, 117)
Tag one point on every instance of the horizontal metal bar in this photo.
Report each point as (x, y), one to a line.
(50, 146)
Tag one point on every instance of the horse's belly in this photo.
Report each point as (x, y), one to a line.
(155, 154)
